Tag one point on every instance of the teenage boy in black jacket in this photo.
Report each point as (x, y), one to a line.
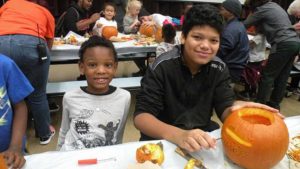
(183, 86)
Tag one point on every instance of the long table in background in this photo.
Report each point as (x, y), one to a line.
(125, 155)
(66, 54)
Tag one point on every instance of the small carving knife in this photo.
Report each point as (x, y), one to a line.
(187, 156)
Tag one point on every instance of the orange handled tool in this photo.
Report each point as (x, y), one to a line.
(94, 161)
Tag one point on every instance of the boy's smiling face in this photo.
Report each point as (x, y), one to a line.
(200, 46)
(99, 67)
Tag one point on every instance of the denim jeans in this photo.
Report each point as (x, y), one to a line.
(276, 73)
(23, 50)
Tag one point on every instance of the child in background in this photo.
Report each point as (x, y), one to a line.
(108, 19)
(130, 21)
(251, 74)
(13, 112)
(168, 35)
(94, 115)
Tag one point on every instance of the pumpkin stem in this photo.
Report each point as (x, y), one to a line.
(160, 145)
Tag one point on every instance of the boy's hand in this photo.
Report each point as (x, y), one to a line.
(99, 25)
(95, 17)
(195, 140)
(241, 104)
(14, 158)
(148, 23)
(136, 22)
(297, 26)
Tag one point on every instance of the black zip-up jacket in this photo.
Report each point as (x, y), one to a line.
(172, 94)
(73, 15)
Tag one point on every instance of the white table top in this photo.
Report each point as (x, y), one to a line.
(125, 155)
(68, 52)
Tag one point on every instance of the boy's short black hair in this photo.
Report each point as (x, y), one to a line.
(96, 41)
(168, 33)
(201, 15)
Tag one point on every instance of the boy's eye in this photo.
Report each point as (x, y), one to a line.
(109, 65)
(214, 41)
(197, 37)
(92, 65)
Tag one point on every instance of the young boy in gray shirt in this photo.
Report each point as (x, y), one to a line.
(94, 115)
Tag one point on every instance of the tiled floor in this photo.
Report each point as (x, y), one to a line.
(290, 107)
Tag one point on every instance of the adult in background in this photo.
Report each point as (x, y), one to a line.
(26, 38)
(294, 11)
(77, 18)
(234, 45)
(274, 23)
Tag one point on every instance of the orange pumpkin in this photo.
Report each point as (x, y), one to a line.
(109, 31)
(147, 30)
(150, 152)
(2, 163)
(254, 138)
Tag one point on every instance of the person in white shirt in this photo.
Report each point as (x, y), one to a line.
(252, 72)
(109, 13)
(95, 115)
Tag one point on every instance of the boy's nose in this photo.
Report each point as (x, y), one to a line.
(101, 69)
(204, 44)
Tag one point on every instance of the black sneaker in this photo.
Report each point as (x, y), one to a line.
(47, 139)
(53, 107)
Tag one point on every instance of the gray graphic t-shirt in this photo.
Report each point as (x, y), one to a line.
(91, 121)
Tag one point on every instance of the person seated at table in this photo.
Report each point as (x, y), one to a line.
(130, 21)
(76, 18)
(183, 86)
(94, 115)
(294, 12)
(158, 20)
(13, 112)
(234, 45)
(109, 13)
(168, 36)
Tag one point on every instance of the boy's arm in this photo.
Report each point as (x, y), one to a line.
(191, 140)
(82, 24)
(126, 24)
(13, 154)
(65, 125)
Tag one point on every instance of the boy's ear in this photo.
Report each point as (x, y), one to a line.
(81, 68)
(182, 39)
(115, 67)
